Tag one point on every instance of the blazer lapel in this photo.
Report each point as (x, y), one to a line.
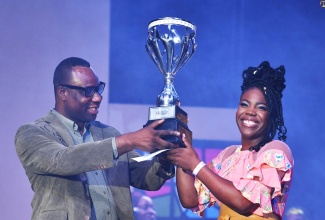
(60, 131)
(96, 132)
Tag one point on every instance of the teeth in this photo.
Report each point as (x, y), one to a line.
(247, 122)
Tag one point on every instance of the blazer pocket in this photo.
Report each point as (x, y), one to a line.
(54, 215)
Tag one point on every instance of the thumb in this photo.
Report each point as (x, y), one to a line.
(186, 142)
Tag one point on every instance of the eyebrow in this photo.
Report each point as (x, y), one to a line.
(259, 103)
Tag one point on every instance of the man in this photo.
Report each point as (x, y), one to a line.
(80, 168)
(295, 213)
(145, 209)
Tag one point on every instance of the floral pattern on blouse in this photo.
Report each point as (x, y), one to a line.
(255, 175)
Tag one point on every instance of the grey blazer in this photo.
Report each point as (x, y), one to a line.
(56, 169)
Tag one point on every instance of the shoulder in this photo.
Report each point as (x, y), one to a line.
(224, 154)
(216, 162)
(99, 124)
(33, 126)
(229, 150)
(277, 146)
(28, 133)
(48, 126)
(47, 120)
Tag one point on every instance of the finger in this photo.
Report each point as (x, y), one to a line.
(171, 158)
(168, 145)
(178, 152)
(173, 146)
(156, 123)
(186, 142)
(171, 153)
(169, 133)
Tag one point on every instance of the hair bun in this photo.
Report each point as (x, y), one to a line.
(264, 77)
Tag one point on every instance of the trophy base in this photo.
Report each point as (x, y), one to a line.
(173, 111)
(175, 125)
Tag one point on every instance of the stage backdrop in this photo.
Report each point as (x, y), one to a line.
(231, 35)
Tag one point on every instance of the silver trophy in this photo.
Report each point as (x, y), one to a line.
(170, 44)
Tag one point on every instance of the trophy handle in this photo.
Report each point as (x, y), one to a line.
(156, 56)
(185, 53)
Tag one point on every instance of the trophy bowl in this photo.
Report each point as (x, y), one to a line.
(170, 44)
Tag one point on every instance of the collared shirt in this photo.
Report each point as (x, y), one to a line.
(103, 205)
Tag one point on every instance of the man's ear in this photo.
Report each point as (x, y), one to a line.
(62, 92)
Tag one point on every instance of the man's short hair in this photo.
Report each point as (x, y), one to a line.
(62, 72)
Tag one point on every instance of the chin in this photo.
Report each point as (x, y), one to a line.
(91, 118)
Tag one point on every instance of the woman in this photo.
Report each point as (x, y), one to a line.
(251, 180)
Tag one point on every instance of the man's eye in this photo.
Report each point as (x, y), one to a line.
(90, 89)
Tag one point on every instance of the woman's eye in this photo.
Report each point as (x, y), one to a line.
(243, 104)
(264, 108)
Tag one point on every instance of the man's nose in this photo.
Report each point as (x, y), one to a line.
(97, 97)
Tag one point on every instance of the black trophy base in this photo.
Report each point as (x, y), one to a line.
(175, 125)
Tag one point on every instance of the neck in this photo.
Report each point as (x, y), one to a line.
(81, 127)
(246, 144)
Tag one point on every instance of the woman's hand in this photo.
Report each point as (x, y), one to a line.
(184, 157)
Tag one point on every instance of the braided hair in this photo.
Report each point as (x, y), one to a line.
(271, 82)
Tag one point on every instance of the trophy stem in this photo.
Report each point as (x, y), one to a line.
(169, 95)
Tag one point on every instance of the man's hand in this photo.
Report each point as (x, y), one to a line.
(146, 139)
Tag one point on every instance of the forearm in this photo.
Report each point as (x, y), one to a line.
(185, 187)
(149, 175)
(124, 143)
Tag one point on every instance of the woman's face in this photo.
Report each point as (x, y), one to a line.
(252, 116)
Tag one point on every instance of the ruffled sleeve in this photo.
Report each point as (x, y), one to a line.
(262, 183)
(255, 175)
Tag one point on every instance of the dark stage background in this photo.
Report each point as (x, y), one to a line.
(232, 35)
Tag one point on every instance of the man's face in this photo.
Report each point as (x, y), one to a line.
(146, 209)
(78, 107)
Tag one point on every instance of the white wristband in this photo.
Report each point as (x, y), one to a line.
(198, 168)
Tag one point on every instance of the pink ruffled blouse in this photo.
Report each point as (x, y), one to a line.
(254, 174)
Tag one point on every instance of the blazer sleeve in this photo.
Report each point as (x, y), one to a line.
(42, 153)
(149, 175)
(146, 175)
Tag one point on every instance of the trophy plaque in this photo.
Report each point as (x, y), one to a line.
(170, 44)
